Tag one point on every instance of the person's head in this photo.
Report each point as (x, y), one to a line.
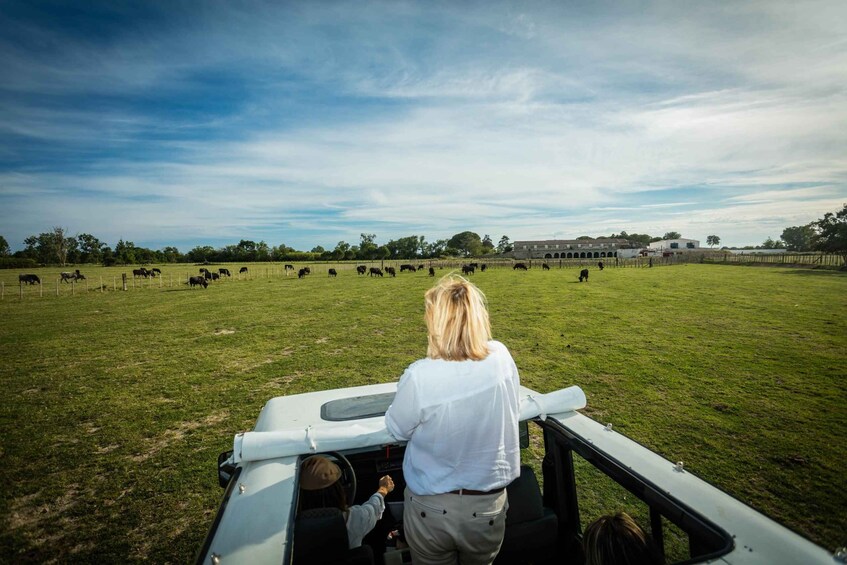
(319, 484)
(457, 321)
(617, 540)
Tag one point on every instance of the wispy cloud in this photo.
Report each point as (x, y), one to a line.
(310, 123)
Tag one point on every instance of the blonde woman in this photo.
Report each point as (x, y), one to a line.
(458, 410)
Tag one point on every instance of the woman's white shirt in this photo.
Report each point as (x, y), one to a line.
(461, 422)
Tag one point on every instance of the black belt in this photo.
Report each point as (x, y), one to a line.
(476, 492)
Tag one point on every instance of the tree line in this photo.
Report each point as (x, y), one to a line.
(827, 234)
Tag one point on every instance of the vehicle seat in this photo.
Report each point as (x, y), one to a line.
(320, 538)
(531, 529)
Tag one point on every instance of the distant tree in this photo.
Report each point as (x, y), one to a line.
(672, 235)
(367, 246)
(341, 249)
(199, 254)
(60, 245)
(487, 244)
(405, 247)
(467, 243)
(436, 248)
(832, 233)
(125, 252)
(713, 240)
(505, 245)
(90, 248)
(382, 252)
(5, 251)
(171, 255)
(772, 244)
(585, 237)
(799, 238)
(318, 249)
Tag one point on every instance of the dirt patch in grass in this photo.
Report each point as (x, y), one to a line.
(30, 516)
(163, 440)
(224, 331)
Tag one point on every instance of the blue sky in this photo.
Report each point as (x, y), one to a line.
(194, 123)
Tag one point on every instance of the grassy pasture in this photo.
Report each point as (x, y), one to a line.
(116, 404)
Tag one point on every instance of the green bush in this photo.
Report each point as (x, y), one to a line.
(17, 263)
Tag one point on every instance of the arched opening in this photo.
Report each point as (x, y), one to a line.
(582, 255)
(602, 254)
(555, 255)
(548, 256)
(596, 255)
(570, 255)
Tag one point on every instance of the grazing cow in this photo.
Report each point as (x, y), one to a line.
(332, 273)
(242, 270)
(482, 267)
(203, 270)
(407, 267)
(467, 269)
(583, 274)
(474, 265)
(79, 276)
(361, 269)
(29, 279)
(207, 275)
(215, 276)
(421, 267)
(142, 272)
(301, 273)
(308, 270)
(154, 272)
(391, 271)
(224, 272)
(375, 272)
(67, 276)
(431, 272)
(519, 266)
(545, 267)
(198, 281)
(600, 265)
(289, 267)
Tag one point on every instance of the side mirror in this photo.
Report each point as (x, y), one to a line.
(225, 468)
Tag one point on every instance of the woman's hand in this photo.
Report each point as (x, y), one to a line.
(386, 485)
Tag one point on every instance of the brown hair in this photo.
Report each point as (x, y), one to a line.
(332, 496)
(457, 321)
(617, 540)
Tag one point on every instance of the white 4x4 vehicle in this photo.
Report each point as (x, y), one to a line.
(257, 522)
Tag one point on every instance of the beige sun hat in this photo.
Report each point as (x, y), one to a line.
(318, 472)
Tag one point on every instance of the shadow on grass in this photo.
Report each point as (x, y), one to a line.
(817, 272)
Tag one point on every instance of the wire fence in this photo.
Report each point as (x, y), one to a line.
(52, 284)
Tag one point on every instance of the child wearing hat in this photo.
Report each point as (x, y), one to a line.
(320, 488)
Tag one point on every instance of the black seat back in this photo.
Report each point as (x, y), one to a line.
(531, 529)
(320, 538)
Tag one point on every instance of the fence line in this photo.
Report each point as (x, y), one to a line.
(322, 267)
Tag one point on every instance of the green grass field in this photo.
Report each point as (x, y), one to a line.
(116, 404)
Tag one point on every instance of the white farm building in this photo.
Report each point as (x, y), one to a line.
(674, 245)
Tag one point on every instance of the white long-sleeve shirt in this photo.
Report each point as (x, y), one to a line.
(362, 518)
(461, 422)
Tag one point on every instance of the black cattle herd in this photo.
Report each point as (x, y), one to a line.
(206, 275)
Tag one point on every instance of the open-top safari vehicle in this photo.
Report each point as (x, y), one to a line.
(690, 520)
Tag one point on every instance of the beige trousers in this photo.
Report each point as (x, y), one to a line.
(449, 529)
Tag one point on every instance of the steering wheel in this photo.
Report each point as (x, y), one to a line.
(348, 475)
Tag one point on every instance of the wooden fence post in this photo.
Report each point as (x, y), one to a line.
(57, 287)
(123, 276)
(73, 287)
(101, 285)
